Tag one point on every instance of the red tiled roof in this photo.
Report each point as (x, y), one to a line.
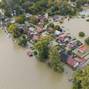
(71, 61)
(80, 59)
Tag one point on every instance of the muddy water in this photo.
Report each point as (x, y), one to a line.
(76, 25)
(18, 71)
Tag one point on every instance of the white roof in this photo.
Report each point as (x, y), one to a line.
(85, 12)
(76, 65)
(28, 15)
(57, 32)
(31, 29)
(44, 33)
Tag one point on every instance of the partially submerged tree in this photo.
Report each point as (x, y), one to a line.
(20, 19)
(42, 47)
(81, 34)
(87, 41)
(81, 79)
(55, 60)
(22, 41)
(11, 28)
(14, 30)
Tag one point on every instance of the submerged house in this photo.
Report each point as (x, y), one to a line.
(57, 18)
(73, 63)
(82, 51)
(39, 29)
(69, 59)
(64, 56)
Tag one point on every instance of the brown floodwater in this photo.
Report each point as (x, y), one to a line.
(18, 71)
(76, 25)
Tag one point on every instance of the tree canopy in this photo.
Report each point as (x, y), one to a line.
(55, 60)
(42, 47)
(81, 79)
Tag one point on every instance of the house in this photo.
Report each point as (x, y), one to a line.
(32, 29)
(40, 24)
(45, 33)
(62, 37)
(73, 44)
(72, 63)
(53, 43)
(64, 56)
(80, 60)
(81, 51)
(39, 29)
(57, 33)
(35, 37)
(27, 15)
(57, 18)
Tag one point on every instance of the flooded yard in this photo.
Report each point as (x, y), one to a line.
(18, 71)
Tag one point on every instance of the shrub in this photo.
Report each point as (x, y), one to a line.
(20, 19)
(87, 20)
(81, 34)
(87, 41)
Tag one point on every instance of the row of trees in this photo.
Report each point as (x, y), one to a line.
(41, 6)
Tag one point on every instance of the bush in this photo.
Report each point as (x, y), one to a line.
(87, 41)
(57, 27)
(11, 28)
(87, 20)
(22, 41)
(81, 34)
(33, 19)
(20, 19)
(51, 25)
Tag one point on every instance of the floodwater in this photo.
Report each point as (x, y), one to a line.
(76, 25)
(18, 71)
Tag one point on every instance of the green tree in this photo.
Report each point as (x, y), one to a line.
(42, 47)
(66, 9)
(39, 7)
(20, 19)
(50, 25)
(87, 41)
(55, 60)
(33, 19)
(11, 28)
(81, 79)
(15, 31)
(22, 41)
(81, 34)
(57, 27)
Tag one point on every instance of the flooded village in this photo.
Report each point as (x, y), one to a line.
(44, 51)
